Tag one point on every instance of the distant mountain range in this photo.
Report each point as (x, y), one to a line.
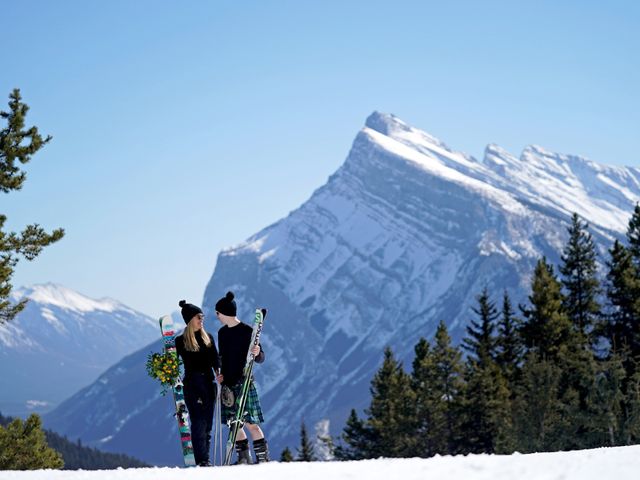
(61, 342)
(406, 233)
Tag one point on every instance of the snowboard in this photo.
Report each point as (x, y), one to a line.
(181, 414)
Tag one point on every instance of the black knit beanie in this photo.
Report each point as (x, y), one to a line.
(227, 305)
(189, 310)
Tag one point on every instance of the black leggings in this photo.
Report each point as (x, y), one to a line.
(200, 397)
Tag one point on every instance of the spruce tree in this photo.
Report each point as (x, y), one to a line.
(286, 455)
(390, 414)
(508, 342)
(23, 446)
(305, 452)
(538, 413)
(547, 329)
(18, 144)
(449, 385)
(429, 408)
(578, 271)
(487, 425)
(623, 293)
(633, 236)
(480, 341)
(355, 441)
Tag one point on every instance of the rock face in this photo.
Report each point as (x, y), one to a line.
(406, 233)
(62, 342)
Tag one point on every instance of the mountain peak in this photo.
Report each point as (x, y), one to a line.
(385, 123)
(63, 297)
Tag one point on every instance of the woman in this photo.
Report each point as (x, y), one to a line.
(201, 360)
(234, 340)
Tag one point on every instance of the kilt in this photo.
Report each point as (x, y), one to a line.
(253, 410)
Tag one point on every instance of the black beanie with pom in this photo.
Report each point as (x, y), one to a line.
(227, 305)
(189, 310)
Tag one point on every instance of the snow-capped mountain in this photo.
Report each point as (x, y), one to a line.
(61, 342)
(406, 233)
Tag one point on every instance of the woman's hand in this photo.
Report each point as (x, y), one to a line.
(220, 378)
(256, 350)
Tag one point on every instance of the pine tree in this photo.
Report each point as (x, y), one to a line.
(356, 440)
(538, 413)
(429, 406)
(23, 446)
(633, 236)
(487, 426)
(286, 455)
(547, 329)
(305, 452)
(623, 293)
(508, 342)
(448, 384)
(18, 144)
(480, 341)
(578, 271)
(390, 413)
(606, 403)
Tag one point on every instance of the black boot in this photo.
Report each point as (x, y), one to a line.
(261, 449)
(242, 449)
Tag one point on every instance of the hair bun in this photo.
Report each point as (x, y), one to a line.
(229, 296)
(182, 303)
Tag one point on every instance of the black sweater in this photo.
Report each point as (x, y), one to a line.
(201, 361)
(234, 345)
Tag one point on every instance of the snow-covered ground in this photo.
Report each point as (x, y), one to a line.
(621, 463)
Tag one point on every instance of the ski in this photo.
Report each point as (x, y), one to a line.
(237, 422)
(181, 414)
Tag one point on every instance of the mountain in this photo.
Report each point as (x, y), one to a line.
(61, 342)
(404, 234)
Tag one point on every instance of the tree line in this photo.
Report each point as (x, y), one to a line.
(25, 445)
(560, 373)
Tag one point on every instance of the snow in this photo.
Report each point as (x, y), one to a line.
(621, 463)
(62, 297)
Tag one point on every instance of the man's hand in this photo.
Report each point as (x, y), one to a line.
(256, 350)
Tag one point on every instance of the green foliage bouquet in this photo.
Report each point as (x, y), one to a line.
(165, 368)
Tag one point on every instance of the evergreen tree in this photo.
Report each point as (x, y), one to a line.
(17, 144)
(305, 452)
(633, 236)
(286, 455)
(480, 341)
(427, 403)
(448, 384)
(538, 413)
(23, 446)
(623, 293)
(578, 271)
(508, 342)
(390, 418)
(487, 426)
(606, 403)
(356, 440)
(547, 329)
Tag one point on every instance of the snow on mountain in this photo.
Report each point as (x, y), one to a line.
(404, 234)
(61, 342)
(620, 463)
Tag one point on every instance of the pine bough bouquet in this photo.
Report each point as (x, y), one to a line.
(165, 368)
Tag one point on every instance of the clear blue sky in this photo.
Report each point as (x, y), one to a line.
(181, 128)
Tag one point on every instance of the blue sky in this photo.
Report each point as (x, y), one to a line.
(181, 128)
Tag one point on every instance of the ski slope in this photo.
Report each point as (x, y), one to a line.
(620, 463)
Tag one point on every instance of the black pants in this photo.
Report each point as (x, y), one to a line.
(200, 397)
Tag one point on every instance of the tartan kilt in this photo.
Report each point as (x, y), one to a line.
(253, 410)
